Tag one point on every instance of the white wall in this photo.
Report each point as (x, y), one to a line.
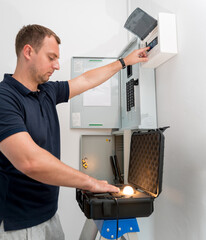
(86, 28)
(180, 211)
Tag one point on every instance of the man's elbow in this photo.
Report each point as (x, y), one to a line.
(28, 167)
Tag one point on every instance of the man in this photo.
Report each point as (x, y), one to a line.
(30, 170)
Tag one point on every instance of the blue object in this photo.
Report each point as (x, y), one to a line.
(108, 228)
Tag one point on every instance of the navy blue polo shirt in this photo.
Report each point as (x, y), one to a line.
(25, 202)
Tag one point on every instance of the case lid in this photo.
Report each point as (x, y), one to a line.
(140, 23)
(146, 161)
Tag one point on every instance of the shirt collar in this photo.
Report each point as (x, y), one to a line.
(14, 83)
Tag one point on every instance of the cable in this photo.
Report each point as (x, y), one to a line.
(117, 217)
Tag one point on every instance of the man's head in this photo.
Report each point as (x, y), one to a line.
(33, 35)
(37, 49)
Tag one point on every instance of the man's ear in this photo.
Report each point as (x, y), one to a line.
(27, 51)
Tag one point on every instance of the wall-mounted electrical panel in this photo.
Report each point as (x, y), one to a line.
(126, 101)
(160, 35)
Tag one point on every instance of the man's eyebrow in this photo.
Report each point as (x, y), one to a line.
(53, 54)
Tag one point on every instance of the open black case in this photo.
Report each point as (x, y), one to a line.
(145, 176)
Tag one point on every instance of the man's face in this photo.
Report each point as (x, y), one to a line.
(46, 61)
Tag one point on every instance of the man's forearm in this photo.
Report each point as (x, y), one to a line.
(93, 78)
(51, 171)
(99, 75)
(48, 169)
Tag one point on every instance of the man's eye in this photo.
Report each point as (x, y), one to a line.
(51, 58)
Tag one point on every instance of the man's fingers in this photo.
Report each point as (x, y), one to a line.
(144, 59)
(104, 181)
(112, 188)
(109, 187)
(144, 49)
(103, 186)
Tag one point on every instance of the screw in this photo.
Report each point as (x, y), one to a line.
(107, 229)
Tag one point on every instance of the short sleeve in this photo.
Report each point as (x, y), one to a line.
(59, 90)
(11, 117)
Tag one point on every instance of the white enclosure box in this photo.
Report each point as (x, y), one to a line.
(162, 41)
(160, 35)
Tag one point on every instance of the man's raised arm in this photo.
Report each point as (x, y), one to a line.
(95, 77)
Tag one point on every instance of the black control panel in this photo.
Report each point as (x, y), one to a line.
(130, 93)
(152, 44)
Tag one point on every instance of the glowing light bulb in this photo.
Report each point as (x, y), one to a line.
(128, 190)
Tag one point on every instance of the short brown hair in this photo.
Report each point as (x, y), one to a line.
(33, 35)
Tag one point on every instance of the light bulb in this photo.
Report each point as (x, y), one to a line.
(128, 190)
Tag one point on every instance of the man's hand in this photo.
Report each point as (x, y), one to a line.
(138, 55)
(99, 186)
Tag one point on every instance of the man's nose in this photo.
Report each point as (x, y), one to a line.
(56, 65)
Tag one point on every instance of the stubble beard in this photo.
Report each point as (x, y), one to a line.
(36, 77)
